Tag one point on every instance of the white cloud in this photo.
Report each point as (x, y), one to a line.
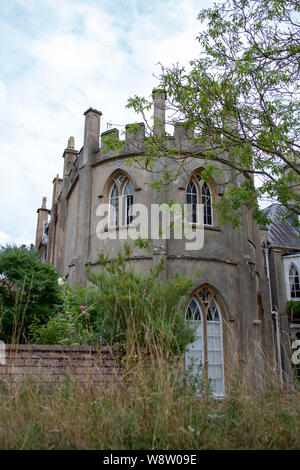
(4, 238)
(2, 93)
(73, 55)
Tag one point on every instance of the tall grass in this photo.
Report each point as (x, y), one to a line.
(139, 309)
(154, 406)
(12, 319)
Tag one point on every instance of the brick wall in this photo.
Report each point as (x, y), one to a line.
(49, 364)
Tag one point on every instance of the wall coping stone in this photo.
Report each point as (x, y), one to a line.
(61, 347)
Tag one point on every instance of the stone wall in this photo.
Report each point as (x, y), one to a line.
(50, 364)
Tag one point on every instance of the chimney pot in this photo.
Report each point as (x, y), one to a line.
(71, 143)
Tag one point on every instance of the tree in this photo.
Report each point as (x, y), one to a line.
(28, 290)
(241, 97)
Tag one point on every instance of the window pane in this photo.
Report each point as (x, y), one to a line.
(207, 204)
(215, 371)
(204, 295)
(129, 203)
(216, 386)
(114, 206)
(197, 344)
(215, 354)
(194, 357)
(214, 357)
(192, 202)
(193, 311)
(127, 189)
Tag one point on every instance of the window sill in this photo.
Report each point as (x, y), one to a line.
(206, 227)
(213, 228)
(120, 227)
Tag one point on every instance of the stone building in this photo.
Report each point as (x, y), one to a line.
(230, 301)
(283, 257)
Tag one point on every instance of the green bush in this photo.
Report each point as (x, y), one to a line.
(139, 309)
(28, 290)
(121, 307)
(71, 325)
(293, 309)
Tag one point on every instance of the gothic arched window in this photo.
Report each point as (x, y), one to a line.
(206, 353)
(120, 201)
(199, 192)
(294, 282)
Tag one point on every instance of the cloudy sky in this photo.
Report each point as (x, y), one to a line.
(58, 58)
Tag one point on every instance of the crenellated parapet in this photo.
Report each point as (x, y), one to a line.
(102, 147)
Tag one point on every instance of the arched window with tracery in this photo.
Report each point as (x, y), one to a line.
(206, 353)
(120, 199)
(199, 192)
(294, 282)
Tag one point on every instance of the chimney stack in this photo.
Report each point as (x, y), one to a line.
(69, 156)
(159, 99)
(91, 134)
(43, 214)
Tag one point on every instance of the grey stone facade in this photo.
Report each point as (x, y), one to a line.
(231, 262)
(283, 251)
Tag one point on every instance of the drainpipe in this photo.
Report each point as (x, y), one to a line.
(274, 314)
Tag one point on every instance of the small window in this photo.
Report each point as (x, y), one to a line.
(294, 282)
(198, 191)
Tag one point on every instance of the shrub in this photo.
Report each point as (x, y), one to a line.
(71, 325)
(28, 291)
(121, 307)
(293, 309)
(139, 309)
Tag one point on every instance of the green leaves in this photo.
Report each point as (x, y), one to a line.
(138, 309)
(111, 143)
(241, 98)
(71, 324)
(139, 104)
(28, 289)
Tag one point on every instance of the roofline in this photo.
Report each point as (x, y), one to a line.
(281, 247)
(293, 254)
